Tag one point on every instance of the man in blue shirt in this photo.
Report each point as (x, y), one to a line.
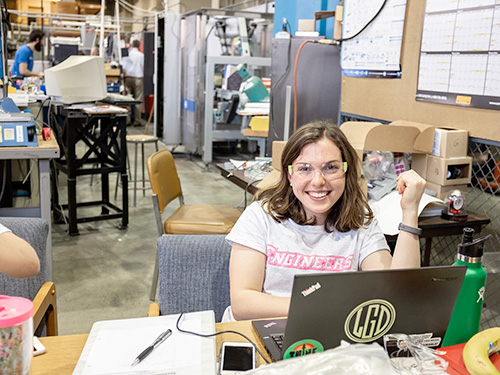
(23, 61)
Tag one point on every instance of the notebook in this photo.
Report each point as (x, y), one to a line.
(361, 307)
(113, 345)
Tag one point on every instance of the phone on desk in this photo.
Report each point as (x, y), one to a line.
(236, 357)
(38, 347)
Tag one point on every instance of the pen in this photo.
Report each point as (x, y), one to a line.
(165, 335)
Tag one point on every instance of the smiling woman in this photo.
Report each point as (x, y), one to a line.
(315, 219)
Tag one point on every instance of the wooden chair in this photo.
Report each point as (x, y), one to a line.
(194, 274)
(188, 218)
(36, 288)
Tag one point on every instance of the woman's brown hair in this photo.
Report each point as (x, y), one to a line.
(350, 212)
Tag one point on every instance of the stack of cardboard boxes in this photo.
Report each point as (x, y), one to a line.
(439, 155)
(448, 167)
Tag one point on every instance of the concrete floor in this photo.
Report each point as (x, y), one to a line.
(106, 273)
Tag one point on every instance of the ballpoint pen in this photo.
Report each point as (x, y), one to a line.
(165, 335)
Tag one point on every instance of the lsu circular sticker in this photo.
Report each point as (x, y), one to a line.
(370, 320)
(303, 347)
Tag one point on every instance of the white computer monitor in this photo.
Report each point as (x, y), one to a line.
(77, 79)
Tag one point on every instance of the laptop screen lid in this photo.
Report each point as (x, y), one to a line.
(361, 307)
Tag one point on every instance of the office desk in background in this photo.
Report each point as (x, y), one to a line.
(431, 227)
(238, 178)
(63, 352)
(103, 131)
(45, 151)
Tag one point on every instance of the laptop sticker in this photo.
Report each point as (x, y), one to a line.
(370, 320)
(303, 347)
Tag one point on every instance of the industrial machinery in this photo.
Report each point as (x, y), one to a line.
(17, 129)
(199, 45)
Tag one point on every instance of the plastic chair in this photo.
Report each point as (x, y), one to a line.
(188, 218)
(194, 274)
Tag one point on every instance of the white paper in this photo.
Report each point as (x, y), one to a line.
(114, 350)
(113, 345)
(388, 211)
(379, 46)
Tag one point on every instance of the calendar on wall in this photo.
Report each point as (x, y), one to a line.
(376, 52)
(460, 53)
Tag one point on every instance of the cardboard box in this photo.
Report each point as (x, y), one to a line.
(450, 143)
(449, 171)
(440, 191)
(307, 25)
(111, 72)
(64, 7)
(419, 164)
(89, 8)
(398, 136)
(273, 177)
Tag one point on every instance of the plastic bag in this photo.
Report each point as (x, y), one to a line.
(356, 359)
(409, 356)
(376, 164)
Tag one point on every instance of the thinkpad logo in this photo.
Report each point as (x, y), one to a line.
(311, 289)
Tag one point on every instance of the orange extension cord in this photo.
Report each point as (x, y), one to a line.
(295, 83)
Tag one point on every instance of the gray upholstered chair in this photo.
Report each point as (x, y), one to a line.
(188, 218)
(36, 288)
(193, 274)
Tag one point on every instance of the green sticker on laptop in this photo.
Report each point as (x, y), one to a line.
(303, 347)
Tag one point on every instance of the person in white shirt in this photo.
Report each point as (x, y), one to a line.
(17, 257)
(133, 64)
(315, 219)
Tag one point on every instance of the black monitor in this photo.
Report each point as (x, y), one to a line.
(124, 52)
(63, 51)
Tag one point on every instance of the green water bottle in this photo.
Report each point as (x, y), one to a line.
(464, 322)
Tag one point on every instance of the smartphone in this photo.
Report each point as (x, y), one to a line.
(236, 357)
(38, 347)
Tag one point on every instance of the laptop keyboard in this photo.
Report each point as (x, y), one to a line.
(278, 339)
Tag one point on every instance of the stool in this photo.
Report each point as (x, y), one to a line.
(140, 139)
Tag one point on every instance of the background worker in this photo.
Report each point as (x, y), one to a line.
(134, 76)
(23, 60)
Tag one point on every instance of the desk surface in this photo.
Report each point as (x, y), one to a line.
(63, 352)
(46, 150)
(238, 177)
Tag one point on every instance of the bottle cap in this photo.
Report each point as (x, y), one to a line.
(14, 310)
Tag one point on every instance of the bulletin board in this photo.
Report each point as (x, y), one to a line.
(394, 99)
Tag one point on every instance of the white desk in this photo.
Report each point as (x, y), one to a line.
(45, 151)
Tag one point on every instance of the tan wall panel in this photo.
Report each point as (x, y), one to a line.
(394, 99)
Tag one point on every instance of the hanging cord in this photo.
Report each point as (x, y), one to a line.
(217, 334)
(328, 42)
(295, 82)
(364, 27)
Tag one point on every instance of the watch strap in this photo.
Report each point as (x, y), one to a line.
(412, 230)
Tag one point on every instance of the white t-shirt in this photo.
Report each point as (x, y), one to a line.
(134, 63)
(3, 229)
(298, 249)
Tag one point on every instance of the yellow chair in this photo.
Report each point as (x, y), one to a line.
(188, 218)
(45, 306)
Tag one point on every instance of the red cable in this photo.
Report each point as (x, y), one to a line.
(295, 84)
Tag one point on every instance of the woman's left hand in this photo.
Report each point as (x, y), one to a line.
(411, 186)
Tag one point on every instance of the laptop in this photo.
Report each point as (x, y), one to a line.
(361, 307)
